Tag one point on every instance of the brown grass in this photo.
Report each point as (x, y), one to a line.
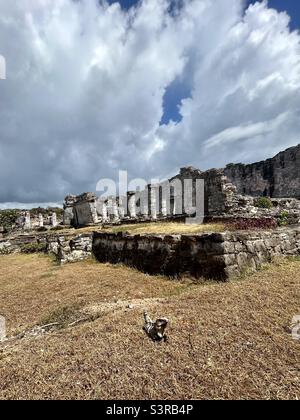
(168, 228)
(33, 286)
(160, 228)
(226, 341)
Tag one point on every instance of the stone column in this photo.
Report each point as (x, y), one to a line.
(165, 199)
(41, 220)
(132, 205)
(144, 197)
(68, 218)
(94, 213)
(27, 222)
(115, 210)
(122, 203)
(121, 212)
(104, 213)
(54, 220)
(154, 200)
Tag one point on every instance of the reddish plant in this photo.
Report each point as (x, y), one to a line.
(252, 224)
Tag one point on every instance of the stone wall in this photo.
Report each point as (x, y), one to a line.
(213, 256)
(219, 193)
(68, 218)
(278, 177)
(65, 248)
(21, 243)
(68, 249)
(84, 211)
(218, 256)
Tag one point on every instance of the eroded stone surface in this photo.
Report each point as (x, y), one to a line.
(216, 256)
(68, 250)
(278, 177)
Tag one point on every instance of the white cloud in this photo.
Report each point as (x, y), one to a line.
(85, 86)
(244, 132)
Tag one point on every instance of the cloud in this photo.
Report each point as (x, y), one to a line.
(86, 82)
(244, 132)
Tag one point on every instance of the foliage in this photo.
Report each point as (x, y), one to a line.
(264, 203)
(57, 228)
(5, 250)
(42, 229)
(8, 219)
(33, 248)
(283, 218)
(46, 212)
(250, 224)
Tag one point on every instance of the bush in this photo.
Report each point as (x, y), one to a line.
(42, 229)
(33, 248)
(5, 250)
(46, 212)
(264, 203)
(253, 224)
(8, 219)
(57, 228)
(283, 218)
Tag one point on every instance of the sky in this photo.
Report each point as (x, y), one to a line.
(93, 88)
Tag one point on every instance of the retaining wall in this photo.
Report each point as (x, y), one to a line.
(219, 256)
(73, 249)
(65, 248)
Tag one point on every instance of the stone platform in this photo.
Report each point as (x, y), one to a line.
(216, 256)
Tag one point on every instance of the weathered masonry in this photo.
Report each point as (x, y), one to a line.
(80, 210)
(278, 177)
(228, 192)
(219, 256)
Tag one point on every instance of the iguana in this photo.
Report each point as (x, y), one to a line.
(156, 330)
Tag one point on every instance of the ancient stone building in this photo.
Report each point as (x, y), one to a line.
(230, 191)
(81, 210)
(68, 218)
(278, 177)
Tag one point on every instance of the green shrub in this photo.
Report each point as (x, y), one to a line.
(57, 228)
(283, 218)
(5, 250)
(8, 219)
(42, 229)
(46, 212)
(264, 203)
(33, 248)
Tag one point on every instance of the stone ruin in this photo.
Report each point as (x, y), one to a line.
(26, 222)
(229, 192)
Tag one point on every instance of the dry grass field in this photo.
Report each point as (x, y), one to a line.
(226, 341)
(169, 228)
(166, 228)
